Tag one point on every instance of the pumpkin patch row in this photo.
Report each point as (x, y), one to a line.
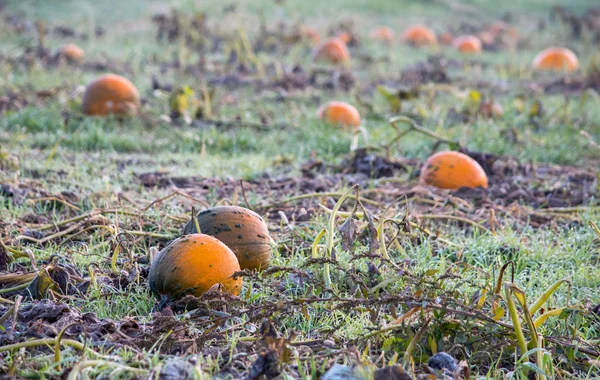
(335, 51)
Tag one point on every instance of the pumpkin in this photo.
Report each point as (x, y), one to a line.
(419, 35)
(242, 230)
(73, 53)
(192, 265)
(333, 50)
(453, 170)
(383, 33)
(110, 94)
(339, 113)
(310, 34)
(467, 44)
(556, 59)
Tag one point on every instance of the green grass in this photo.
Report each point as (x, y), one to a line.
(98, 159)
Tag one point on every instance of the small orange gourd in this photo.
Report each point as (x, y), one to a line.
(333, 50)
(467, 44)
(419, 35)
(556, 59)
(72, 52)
(339, 113)
(453, 170)
(383, 33)
(240, 229)
(192, 265)
(110, 94)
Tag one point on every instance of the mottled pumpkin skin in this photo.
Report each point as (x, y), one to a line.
(556, 59)
(110, 94)
(242, 230)
(453, 170)
(333, 50)
(419, 35)
(339, 113)
(467, 44)
(192, 265)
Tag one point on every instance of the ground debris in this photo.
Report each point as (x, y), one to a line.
(515, 188)
(175, 369)
(374, 166)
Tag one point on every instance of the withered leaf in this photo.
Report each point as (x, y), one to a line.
(349, 232)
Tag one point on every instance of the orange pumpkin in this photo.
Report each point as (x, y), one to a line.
(453, 170)
(333, 50)
(383, 33)
(73, 53)
(339, 113)
(556, 59)
(419, 35)
(192, 265)
(110, 94)
(241, 229)
(467, 44)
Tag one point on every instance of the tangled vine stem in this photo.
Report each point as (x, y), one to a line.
(331, 232)
(318, 195)
(47, 342)
(413, 126)
(79, 367)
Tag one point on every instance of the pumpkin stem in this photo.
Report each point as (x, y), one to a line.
(195, 220)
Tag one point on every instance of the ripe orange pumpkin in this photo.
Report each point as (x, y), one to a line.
(383, 33)
(72, 52)
(333, 50)
(467, 44)
(556, 59)
(453, 170)
(339, 113)
(241, 229)
(419, 35)
(110, 94)
(193, 264)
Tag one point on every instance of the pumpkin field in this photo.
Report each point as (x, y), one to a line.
(287, 189)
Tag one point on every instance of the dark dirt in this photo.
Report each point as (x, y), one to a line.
(513, 186)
